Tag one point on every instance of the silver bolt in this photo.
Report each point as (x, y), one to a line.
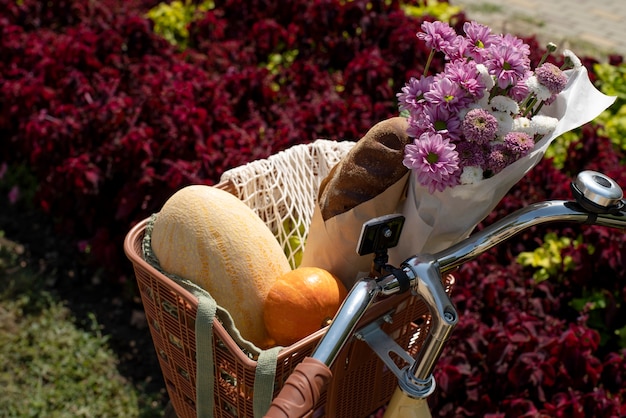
(449, 316)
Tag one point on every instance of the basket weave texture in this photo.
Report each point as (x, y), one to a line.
(361, 383)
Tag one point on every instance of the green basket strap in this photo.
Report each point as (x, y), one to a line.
(208, 310)
(264, 377)
(205, 377)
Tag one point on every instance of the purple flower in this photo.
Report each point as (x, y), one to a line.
(508, 61)
(519, 144)
(479, 39)
(457, 48)
(498, 158)
(466, 75)
(418, 123)
(516, 44)
(479, 126)
(434, 161)
(437, 35)
(413, 93)
(551, 77)
(443, 121)
(471, 153)
(520, 90)
(444, 92)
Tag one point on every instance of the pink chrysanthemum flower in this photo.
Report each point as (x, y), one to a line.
(479, 126)
(456, 49)
(418, 123)
(551, 77)
(471, 153)
(497, 159)
(508, 61)
(480, 114)
(442, 121)
(413, 93)
(479, 39)
(444, 92)
(434, 161)
(514, 43)
(520, 90)
(467, 76)
(437, 35)
(519, 144)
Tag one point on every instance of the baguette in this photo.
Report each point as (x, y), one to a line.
(369, 168)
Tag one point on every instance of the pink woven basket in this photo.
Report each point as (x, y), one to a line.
(361, 383)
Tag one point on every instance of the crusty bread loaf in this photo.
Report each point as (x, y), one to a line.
(369, 168)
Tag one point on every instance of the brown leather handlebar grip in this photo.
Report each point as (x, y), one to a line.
(301, 391)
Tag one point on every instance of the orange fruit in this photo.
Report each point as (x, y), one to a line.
(301, 302)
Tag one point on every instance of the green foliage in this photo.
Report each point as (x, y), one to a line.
(49, 365)
(19, 180)
(171, 21)
(621, 335)
(276, 62)
(548, 259)
(611, 80)
(594, 304)
(440, 10)
(558, 148)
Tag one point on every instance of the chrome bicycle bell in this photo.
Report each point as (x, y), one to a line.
(597, 192)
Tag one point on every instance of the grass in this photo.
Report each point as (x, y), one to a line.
(51, 363)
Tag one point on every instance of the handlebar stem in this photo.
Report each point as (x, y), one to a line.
(428, 285)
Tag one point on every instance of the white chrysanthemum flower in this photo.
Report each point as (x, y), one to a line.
(505, 123)
(471, 174)
(522, 124)
(485, 77)
(536, 88)
(543, 125)
(572, 59)
(504, 104)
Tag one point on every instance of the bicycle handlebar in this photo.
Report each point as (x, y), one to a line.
(598, 202)
(532, 215)
(301, 390)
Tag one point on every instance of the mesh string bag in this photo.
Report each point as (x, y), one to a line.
(282, 189)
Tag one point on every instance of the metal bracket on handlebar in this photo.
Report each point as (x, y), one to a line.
(383, 345)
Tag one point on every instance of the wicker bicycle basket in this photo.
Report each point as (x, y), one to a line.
(361, 382)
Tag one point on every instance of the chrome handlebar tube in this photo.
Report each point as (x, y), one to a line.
(535, 214)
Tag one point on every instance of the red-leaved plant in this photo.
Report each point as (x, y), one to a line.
(110, 120)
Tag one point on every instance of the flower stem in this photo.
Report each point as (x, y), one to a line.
(550, 48)
(428, 61)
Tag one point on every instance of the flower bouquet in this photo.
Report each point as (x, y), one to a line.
(475, 129)
(479, 126)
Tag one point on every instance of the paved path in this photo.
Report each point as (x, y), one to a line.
(587, 27)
